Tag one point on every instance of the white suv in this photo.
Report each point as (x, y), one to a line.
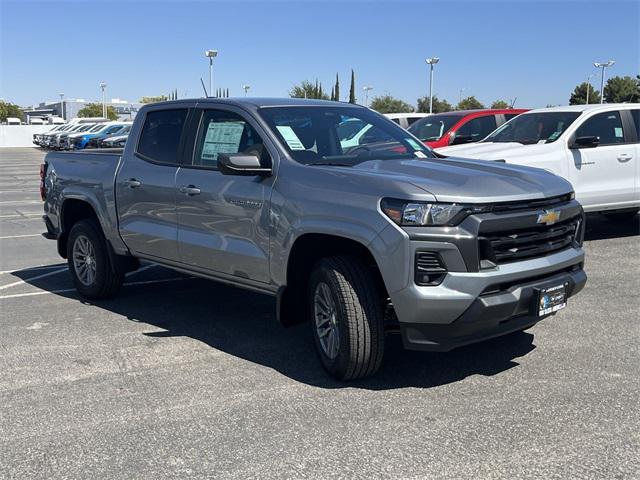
(595, 147)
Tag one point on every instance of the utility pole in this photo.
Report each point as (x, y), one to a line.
(61, 105)
(588, 85)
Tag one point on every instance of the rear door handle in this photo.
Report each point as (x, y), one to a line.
(624, 157)
(132, 183)
(190, 190)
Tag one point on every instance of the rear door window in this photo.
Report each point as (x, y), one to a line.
(161, 134)
(478, 128)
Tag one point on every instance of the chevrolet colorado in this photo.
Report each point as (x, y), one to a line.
(359, 240)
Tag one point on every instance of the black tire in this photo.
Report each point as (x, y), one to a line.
(622, 216)
(358, 317)
(106, 281)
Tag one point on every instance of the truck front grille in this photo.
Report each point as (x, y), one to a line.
(531, 242)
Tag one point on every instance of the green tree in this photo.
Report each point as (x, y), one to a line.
(9, 110)
(579, 95)
(333, 93)
(389, 104)
(95, 110)
(306, 89)
(439, 106)
(352, 88)
(622, 89)
(337, 89)
(469, 103)
(158, 98)
(500, 104)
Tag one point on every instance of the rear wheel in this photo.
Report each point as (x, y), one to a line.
(622, 215)
(88, 259)
(347, 317)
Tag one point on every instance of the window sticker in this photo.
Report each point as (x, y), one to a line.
(554, 135)
(419, 154)
(290, 137)
(413, 143)
(222, 137)
(618, 131)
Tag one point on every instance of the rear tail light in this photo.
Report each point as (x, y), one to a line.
(429, 269)
(43, 173)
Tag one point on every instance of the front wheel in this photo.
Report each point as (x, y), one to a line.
(88, 259)
(347, 317)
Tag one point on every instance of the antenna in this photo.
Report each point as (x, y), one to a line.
(206, 95)
(513, 102)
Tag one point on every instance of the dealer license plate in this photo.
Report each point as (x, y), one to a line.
(552, 299)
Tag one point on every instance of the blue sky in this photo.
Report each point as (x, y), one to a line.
(536, 51)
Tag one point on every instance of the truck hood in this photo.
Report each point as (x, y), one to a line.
(484, 150)
(469, 181)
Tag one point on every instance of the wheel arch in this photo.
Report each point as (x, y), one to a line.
(305, 252)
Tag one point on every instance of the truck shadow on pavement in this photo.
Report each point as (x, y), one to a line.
(599, 227)
(243, 324)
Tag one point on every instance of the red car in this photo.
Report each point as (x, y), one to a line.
(463, 126)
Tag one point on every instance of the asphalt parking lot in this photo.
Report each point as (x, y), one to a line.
(183, 378)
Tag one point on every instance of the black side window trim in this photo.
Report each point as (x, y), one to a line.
(180, 152)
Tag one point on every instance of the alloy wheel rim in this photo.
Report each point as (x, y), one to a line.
(325, 315)
(84, 260)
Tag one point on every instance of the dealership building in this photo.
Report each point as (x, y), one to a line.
(69, 108)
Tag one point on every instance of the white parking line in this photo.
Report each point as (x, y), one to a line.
(39, 267)
(37, 277)
(65, 290)
(24, 215)
(21, 236)
(20, 202)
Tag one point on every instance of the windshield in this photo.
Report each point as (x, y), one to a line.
(530, 128)
(433, 127)
(344, 136)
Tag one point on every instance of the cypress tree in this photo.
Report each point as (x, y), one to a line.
(333, 95)
(320, 91)
(227, 93)
(337, 89)
(352, 89)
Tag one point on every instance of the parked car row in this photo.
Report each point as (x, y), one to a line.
(84, 134)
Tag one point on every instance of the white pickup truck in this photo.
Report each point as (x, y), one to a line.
(595, 147)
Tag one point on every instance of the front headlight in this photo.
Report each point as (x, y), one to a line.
(412, 214)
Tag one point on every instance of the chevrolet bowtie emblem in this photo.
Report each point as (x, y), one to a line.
(549, 217)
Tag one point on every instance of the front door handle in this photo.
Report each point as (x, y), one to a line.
(190, 190)
(133, 183)
(624, 157)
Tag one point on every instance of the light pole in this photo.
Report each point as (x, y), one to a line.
(588, 86)
(61, 105)
(211, 54)
(367, 89)
(103, 86)
(246, 89)
(603, 65)
(431, 62)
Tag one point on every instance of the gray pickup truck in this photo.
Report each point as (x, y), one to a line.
(361, 238)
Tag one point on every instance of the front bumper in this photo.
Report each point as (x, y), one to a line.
(504, 308)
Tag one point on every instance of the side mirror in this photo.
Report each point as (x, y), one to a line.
(590, 141)
(460, 139)
(241, 164)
